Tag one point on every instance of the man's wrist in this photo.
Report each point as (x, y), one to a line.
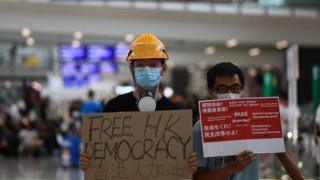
(232, 169)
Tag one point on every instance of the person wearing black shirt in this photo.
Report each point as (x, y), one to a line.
(147, 56)
(128, 102)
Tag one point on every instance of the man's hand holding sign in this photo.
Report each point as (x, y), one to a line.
(232, 130)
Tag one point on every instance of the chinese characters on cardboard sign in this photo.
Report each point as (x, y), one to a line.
(138, 145)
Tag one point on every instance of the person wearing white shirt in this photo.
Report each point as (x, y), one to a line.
(317, 142)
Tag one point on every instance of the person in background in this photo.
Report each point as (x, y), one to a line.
(317, 121)
(147, 63)
(284, 113)
(10, 135)
(30, 141)
(3, 141)
(91, 105)
(70, 144)
(317, 142)
(226, 81)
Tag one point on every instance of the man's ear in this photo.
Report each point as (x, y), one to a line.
(131, 65)
(132, 72)
(163, 69)
(131, 68)
(211, 93)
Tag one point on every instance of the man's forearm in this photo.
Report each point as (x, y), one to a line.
(290, 167)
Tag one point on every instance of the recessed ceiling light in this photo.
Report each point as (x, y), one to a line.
(129, 37)
(78, 35)
(254, 52)
(232, 43)
(26, 32)
(282, 44)
(210, 50)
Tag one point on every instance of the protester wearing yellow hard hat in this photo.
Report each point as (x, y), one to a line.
(147, 46)
(147, 63)
(146, 56)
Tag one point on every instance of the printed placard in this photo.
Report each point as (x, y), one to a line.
(230, 126)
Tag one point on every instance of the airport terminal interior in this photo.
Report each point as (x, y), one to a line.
(53, 52)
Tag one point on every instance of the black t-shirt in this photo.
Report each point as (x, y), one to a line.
(127, 102)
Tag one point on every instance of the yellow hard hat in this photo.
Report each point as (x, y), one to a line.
(147, 46)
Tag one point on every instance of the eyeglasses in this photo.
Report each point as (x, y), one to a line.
(234, 88)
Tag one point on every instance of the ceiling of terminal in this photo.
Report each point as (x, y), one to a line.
(55, 23)
(290, 3)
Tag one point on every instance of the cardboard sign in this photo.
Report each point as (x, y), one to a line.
(138, 145)
(230, 126)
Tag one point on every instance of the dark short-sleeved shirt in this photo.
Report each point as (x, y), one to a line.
(128, 102)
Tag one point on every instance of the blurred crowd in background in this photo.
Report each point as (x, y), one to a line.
(36, 126)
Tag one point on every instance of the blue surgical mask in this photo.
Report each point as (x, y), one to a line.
(147, 77)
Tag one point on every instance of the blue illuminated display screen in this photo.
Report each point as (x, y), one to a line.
(69, 53)
(89, 68)
(100, 52)
(75, 81)
(108, 68)
(69, 68)
(94, 77)
(85, 64)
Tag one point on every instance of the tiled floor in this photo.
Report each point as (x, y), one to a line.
(48, 168)
(36, 169)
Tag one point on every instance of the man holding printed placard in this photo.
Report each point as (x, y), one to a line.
(229, 126)
(222, 145)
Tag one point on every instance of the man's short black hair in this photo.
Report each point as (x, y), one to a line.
(90, 93)
(223, 69)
